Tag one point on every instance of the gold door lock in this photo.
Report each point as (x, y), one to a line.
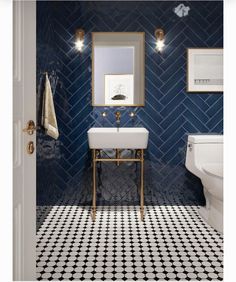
(30, 128)
(30, 148)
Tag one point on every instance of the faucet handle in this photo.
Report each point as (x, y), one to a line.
(103, 114)
(132, 114)
(118, 115)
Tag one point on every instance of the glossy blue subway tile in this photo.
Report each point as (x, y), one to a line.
(173, 100)
(170, 113)
(171, 116)
(195, 121)
(197, 111)
(218, 128)
(167, 135)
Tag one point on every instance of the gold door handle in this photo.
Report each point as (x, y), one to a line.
(30, 148)
(30, 128)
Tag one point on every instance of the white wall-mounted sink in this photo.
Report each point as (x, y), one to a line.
(114, 138)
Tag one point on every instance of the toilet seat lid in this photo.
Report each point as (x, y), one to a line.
(215, 169)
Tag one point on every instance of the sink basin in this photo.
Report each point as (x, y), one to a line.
(114, 138)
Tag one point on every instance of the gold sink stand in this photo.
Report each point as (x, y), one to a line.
(139, 157)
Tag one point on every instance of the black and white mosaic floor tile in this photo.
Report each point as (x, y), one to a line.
(173, 243)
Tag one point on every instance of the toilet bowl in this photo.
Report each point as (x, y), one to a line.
(204, 158)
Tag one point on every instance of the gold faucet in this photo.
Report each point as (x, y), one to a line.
(118, 116)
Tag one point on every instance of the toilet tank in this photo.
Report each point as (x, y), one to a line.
(202, 149)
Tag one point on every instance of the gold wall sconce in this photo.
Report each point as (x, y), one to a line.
(79, 39)
(160, 39)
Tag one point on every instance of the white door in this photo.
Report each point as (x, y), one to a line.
(24, 163)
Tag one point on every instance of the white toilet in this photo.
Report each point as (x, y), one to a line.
(204, 158)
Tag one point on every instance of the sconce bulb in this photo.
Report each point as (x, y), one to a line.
(79, 44)
(160, 38)
(79, 39)
(160, 45)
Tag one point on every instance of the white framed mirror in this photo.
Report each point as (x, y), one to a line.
(118, 69)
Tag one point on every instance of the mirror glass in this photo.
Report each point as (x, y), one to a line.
(118, 69)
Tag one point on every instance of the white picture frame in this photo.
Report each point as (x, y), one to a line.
(119, 89)
(204, 70)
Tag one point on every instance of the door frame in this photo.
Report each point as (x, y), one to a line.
(24, 164)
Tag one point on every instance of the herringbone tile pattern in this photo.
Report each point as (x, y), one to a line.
(169, 113)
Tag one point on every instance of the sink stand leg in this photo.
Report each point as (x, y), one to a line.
(117, 156)
(94, 186)
(141, 185)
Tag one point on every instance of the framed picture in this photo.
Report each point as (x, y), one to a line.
(119, 89)
(205, 70)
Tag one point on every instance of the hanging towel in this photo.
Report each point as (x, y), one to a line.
(49, 120)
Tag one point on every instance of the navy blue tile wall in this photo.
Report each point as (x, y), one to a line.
(63, 166)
